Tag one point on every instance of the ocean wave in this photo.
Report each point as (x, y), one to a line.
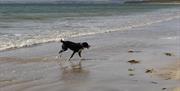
(53, 31)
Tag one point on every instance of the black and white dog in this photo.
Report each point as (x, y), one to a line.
(75, 47)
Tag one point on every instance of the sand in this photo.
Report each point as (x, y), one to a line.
(176, 89)
(104, 67)
(171, 71)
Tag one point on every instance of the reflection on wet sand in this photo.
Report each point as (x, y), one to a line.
(74, 72)
(74, 78)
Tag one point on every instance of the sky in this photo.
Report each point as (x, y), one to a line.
(53, 1)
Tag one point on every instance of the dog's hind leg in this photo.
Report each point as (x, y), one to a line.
(79, 53)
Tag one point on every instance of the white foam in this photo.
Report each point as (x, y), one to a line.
(171, 38)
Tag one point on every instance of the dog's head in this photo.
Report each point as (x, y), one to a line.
(85, 45)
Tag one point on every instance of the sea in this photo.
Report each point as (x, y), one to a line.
(25, 25)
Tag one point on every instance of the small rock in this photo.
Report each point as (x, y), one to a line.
(154, 82)
(168, 78)
(149, 70)
(164, 88)
(131, 74)
(130, 69)
(130, 51)
(133, 61)
(168, 54)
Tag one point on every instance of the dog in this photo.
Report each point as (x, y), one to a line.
(75, 47)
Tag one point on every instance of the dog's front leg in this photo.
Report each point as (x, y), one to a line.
(72, 55)
(60, 52)
(64, 48)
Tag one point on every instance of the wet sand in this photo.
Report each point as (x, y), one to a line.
(104, 67)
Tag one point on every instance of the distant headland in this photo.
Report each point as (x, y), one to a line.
(155, 1)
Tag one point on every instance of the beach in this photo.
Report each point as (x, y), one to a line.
(134, 47)
(104, 67)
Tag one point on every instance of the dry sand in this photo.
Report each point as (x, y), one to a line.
(177, 89)
(105, 65)
(171, 72)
